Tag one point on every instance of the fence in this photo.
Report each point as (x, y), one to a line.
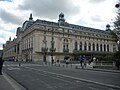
(104, 63)
(96, 64)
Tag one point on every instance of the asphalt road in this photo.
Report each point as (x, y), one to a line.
(46, 77)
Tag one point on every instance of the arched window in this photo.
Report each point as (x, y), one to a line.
(89, 47)
(85, 46)
(104, 48)
(101, 47)
(97, 47)
(66, 40)
(108, 48)
(76, 45)
(114, 48)
(80, 46)
(65, 45)
(93, 47)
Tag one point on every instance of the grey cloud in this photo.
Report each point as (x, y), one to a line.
(96, 18)
(2, 34)
(96, 1)
(7, 0)
(1, 44)
(50, 8)
(10, 18)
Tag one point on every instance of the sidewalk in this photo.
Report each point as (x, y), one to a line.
(77, 66)
(7, 83)
(4, 84)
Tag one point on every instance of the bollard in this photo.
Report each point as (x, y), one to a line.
(71, 65)
(19, 64)
(76, 67)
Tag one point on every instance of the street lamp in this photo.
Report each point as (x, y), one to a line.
(94, 58)
(118, 42)
(52, 49)
(117, 5)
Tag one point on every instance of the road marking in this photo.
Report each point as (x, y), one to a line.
(92, 88)
(57, 77)
(13, 68)
(77, 81)
(11, 64)
(47, 85)
(80, 79)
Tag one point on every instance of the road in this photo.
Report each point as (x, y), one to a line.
(45, 77)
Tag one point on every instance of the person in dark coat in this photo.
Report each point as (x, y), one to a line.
(1, 65)
(117, 64)
(81, 61)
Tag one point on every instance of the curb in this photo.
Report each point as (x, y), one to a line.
(104, 70)
(13, 83)
(94, 69)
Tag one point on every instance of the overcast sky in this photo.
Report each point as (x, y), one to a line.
(90, 13)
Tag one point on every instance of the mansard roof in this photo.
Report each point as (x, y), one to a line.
(38, 21)
(71, 26)
(29, 23)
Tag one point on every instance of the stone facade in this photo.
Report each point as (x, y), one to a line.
(45, 40)
(1, 53)
(9, 50)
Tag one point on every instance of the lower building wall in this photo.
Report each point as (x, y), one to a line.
(36, 57)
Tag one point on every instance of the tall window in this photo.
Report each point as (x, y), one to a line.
(104, 48)
(97, 47)
(114, 48)
(80, 46)
(93, 47)
(108, 48)
(85, 46)
(101, 47)
(65, 45)
(89, 47)
(76, 48)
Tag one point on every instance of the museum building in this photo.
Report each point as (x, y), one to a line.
(43, 40)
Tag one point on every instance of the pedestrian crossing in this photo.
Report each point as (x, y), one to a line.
(37, 65)
(21, 65)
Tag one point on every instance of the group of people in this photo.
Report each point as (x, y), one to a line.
(82, 61)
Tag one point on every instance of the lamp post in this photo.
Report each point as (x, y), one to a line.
(52, 49)
(117, 5)
(94, 58)
(118, 42)
(44, 49)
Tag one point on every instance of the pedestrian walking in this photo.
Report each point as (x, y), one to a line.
(81, 61)
(117, 64)
(52, 61)
(84, 61)
(1, 65)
